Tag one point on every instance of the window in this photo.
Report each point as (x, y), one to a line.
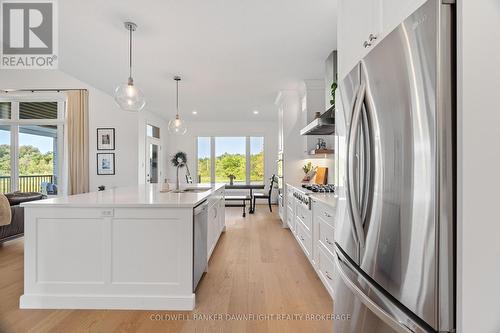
(204, 160)
(153, 131)
(221, 159)
(230, 159)
(31, 137)
(5, 110)
(256, 160)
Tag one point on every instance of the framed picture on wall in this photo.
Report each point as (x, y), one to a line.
(105, 163)
(105, 139)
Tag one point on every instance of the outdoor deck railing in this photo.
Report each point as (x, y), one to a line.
(31, 183)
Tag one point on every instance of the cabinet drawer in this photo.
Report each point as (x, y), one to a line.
(325, 212)
(304, 238)
(325, 234)
(326, 268)
(305, 216)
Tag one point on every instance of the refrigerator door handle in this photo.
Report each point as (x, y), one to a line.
(369, 154)
(351, 143)
(367, 166)
(377, 302)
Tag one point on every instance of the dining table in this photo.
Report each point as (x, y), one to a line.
(249, 187)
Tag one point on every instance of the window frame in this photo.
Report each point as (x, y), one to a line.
(14, 122)
(247, 155)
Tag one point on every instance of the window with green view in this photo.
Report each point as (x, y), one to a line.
(222, 158)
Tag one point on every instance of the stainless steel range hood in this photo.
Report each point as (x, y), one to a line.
(323, 125)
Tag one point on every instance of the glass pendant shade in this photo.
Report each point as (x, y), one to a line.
(129, 97)
(177, 126)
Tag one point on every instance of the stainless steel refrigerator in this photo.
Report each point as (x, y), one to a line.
(395, 235)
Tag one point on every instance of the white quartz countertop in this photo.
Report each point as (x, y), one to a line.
(146, 195)
(329, 199)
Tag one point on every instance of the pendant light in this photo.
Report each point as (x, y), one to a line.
(177, 125)
(127, 95)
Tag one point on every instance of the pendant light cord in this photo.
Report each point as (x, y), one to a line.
(130, 52)
(177, 82)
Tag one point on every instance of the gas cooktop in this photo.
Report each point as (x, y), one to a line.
(328, 188)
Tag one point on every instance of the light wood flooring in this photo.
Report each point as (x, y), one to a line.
(257, 268)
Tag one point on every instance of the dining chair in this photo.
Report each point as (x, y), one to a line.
(266, 195)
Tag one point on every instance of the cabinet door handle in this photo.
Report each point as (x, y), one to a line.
(328, 275)
(328, 241)
(326, 214)
(301, 238)
(372, 37)
(367, 44)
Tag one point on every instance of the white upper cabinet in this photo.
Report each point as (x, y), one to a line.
(363, 23)
(357, 21)
(395, 11)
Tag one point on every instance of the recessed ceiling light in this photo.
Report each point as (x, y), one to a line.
(194, 112)
(255, 111)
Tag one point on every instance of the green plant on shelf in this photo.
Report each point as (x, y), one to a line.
(333, 88)
(308, 167)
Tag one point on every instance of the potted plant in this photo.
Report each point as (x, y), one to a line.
(309, 171)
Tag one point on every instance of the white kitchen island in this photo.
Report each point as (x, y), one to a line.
(123, 248)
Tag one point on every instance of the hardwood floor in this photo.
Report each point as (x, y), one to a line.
(257, 268)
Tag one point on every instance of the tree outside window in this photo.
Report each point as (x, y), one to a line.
(240, 158)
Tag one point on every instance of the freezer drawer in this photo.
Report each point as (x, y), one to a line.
(362, 319)
(372, 310)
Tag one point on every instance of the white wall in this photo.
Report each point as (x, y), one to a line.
(103, 112)
(295, 155)
(187, 142)
(479, 165)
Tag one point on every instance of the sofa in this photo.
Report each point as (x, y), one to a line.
(16, 227)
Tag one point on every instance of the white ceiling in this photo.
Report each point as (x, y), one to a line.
(233, 55)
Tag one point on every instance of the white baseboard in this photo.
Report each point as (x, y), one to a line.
(114, 302)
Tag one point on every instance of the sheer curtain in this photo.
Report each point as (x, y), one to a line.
(77, 129)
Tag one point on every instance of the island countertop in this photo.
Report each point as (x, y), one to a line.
(145, 195)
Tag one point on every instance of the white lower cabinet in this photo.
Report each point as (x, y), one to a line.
(325, 267)
(323, 217)
(314, 230)
(290, 219)
(324, 221)
(216, 220)
(305, 216)
(305, 239)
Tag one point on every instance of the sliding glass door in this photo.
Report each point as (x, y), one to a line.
(5, 159)
(31, 143)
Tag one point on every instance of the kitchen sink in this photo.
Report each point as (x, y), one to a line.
(196, 189)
